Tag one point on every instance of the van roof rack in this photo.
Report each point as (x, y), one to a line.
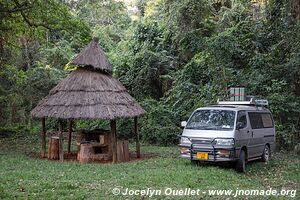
(252, 102)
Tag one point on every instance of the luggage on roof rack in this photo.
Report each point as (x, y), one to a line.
(237, 93)
(261, 102)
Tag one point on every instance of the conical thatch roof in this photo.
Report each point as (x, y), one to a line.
(88, 94)
(94, 56)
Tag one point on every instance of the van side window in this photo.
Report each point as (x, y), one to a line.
(242, 118)
(267, 120)
(260, 120)
(255, 120)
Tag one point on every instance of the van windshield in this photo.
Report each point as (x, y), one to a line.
(212, 120)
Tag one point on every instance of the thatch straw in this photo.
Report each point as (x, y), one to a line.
(94, 56)
(87, 94)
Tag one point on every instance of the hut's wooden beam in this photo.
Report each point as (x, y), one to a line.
(113, 134)
(70, 136)
(137, 138)
(61, 145)
(43, 134)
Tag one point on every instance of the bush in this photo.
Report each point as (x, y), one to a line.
(17, 130)
(159, 124)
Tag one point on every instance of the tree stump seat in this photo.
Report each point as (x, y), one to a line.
(53, 150)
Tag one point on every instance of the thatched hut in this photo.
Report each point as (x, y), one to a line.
(89, 92)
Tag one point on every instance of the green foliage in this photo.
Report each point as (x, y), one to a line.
(286, 111)
(108, 20)
(174, 57)
(241, 52)
(158, 125)
(193, 88)
(37, 39)
(186, 23)
(17, 131)
(92, 124)
(21, 90)
(37, 19)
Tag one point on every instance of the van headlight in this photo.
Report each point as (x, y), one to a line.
(224, 142)
(185, 140)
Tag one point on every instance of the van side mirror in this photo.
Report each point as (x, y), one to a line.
(239, 125)
(183, 124)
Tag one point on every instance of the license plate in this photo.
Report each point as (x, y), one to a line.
(202, 156)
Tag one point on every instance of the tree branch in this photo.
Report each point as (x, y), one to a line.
(26, 5)
(15, 9)
(34, 24)
(30, 23)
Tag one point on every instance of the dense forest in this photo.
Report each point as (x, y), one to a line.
(173, 56)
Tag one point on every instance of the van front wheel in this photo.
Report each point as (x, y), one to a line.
(266, 154)
(241, 162)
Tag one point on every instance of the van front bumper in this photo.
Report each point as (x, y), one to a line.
(215, 153)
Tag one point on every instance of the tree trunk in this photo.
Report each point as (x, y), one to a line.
(61, 145)
(29, 117)
(43, 134)
(137, 138)
(70, 136)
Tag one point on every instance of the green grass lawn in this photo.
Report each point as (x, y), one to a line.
(25, 177)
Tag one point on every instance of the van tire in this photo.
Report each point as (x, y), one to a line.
(240, 165)
(266, 156)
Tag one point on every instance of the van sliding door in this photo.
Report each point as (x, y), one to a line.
(257, 143)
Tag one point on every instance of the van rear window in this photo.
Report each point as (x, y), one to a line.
(267, 120)
(260, 120)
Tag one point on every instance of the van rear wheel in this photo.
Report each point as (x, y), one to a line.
(240, 165)
(266, 156)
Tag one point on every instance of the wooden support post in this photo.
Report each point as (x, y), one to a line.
(126, 150)
(113, 133)
(61, 145)
(120, 151)
(137, 138)
(70, 136)
(43, 137)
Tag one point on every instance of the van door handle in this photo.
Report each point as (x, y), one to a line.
(248, 131)
(252, 133)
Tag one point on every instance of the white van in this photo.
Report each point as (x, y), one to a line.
(237, 131)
